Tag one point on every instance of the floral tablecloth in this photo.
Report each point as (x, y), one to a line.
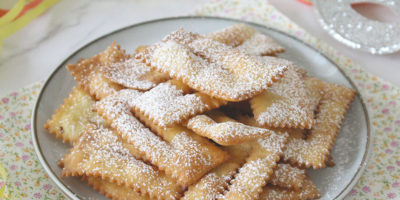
(22, 177)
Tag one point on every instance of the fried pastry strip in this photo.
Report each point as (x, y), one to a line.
(169, 103)
(181, 158)
(247, 39)
(197, 155)
(289, 177)
(112, 70)
(309, 191)
(133, 74)
(102, 153)
(315, 150)
(213, 185)
(71, 117)
(114, 191)
(87, 72)
(257, 170)
(224, 130)
(116, 111)
(211, 67)
(286, 104)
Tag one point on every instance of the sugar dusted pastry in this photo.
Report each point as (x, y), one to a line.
(71, 118)
(198, 117)
(309, 191)
(113, 70)
(257, 170)
(211, 67)
(114, 191)
(247, 39)
(287, 176)
(171, 103)
(102, 153)
(286, 103)
(178, 161)
(315, 150)
(131, 73)
(224, 130)
(214, 184)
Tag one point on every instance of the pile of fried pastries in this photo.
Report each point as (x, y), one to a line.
(202, 117)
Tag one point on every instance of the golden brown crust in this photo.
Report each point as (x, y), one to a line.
(309, 191)
(286, 176)
(114, 191)
(113, 70)
(182, 155)
(88, 75)
(257, 170)
(103, 154)
(200, 149)
(170, 103)
(215, 183)
(247, 39)
(158, 103)
(71, 117)
(314, 151)
(187, 57)
(224, 130)
(286, 104)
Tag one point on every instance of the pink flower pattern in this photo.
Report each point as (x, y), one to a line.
(385, 111)
(47, 187)
(26, 177)
(37, 195)
(4, 100)
(391, 195)
(389, 151)
(366, 189)
(25, 157)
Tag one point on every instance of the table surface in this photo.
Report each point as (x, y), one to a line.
(31, 54)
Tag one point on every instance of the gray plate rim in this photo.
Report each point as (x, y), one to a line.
(71, 195)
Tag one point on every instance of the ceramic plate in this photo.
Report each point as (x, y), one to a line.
(350, 152)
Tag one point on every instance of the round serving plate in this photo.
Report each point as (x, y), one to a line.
(350, 152)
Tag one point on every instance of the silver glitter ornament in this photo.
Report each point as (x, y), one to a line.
(355, 30)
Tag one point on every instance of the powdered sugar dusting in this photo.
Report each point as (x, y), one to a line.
(332, 108)
(209, 187)
(272, 143)
(288, 177)
(309, 191)
(183, 158)
(212, 67)
(260, 44)
(233, 35)
(129, 73)
(87, 72)
(100, 152)
(225, 132)
(343, 153)
(257, 170)
(166, 104)
(191, 155)
(117, 111)
(286, 103)
(246, 39)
